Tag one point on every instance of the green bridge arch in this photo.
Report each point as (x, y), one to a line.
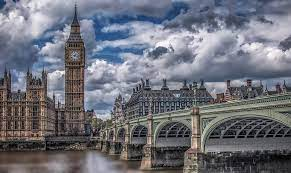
(164, 123)
(274, 116)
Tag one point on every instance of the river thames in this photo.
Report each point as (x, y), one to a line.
(67, 162)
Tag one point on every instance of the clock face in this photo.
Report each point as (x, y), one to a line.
(75, 55)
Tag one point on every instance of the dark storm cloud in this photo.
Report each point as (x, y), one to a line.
(17, 55)
(205, 41)
(24, 22)
(285, 44)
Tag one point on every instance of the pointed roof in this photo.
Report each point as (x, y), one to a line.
(75, 20)
(5, 72)
(202, 84)
(75, 35)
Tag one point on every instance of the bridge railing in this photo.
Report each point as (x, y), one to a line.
(163, 115)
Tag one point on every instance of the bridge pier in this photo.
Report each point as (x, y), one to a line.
(131, 152)
(115, 148)
(193, 161)
(148, 157)
(99, 145)
(194, 157)
(163, 157)
(105, 147)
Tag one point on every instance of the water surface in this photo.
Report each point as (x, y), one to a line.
(68, 162)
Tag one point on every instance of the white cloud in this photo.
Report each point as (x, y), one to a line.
(191, 46)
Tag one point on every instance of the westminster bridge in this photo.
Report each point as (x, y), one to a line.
(192, 137)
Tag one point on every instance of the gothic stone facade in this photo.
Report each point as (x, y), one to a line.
(118, 109)
(32, 115)
(165, 100)
(26, 115)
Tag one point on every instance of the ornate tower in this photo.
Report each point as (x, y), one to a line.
(74, 80)
(36, 111)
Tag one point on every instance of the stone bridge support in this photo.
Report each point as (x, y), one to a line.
(115, 148)
(105, 146)
(148, 149)
(113, 141)
(99, 144)
(193, 159)
(105, 142)
(126, 153)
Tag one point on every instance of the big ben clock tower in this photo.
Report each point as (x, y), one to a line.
(74, 80)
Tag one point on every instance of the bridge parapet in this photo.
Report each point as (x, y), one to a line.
(176, 113)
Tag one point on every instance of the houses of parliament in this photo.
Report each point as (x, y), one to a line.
(32, 115)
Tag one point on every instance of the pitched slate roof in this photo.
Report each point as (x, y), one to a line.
(201, 95)
(17, 96)
(245, 92)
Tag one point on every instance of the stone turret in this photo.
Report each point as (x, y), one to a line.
(5, 85)
(36, 88)
(44, 81)
(202, 86)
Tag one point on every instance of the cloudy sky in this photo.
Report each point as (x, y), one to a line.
(127, 40)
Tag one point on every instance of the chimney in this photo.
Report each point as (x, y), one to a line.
(249, 83)
(228, 84)
(278, 88)
(190, 87)
(164, 82)
(147, 85)
(147, 82)
(142, 82)
(185, 87)
(165, 87)
(133, 90)
(185, 83)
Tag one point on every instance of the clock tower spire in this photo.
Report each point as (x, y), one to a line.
(75, 34)
(74, 80)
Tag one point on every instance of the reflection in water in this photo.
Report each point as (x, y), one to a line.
(67, 162)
